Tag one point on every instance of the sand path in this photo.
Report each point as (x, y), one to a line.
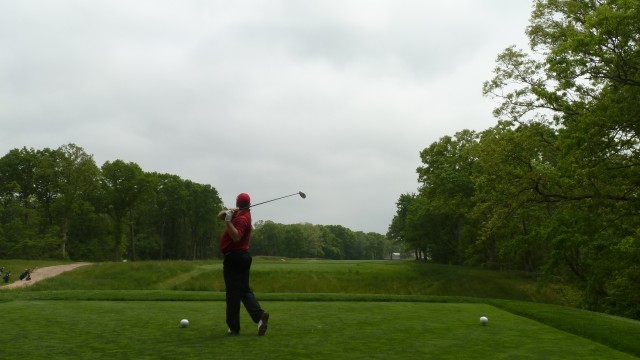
(41, 274)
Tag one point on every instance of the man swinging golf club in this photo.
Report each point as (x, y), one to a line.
(234, 244)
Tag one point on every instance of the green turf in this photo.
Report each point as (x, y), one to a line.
(298, 330)
(319, 309)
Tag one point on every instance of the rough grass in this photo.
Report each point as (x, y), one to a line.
(315, 276)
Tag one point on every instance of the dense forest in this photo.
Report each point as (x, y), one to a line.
(553, 188)
(57, 203)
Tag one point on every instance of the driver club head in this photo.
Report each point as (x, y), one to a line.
(302, 195)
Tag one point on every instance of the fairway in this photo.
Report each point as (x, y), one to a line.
(298, 330)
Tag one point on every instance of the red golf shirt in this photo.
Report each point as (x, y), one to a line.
(242, 221)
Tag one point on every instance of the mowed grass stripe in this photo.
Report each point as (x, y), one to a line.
(311, 330)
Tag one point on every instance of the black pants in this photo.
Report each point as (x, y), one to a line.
(237, 266)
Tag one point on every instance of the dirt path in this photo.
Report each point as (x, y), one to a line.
(43, 273)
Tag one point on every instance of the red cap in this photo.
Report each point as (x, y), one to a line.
(243, 200)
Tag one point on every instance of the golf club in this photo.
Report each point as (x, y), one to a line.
(302, 195)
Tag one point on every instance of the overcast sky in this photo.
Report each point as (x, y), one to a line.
(334, 98)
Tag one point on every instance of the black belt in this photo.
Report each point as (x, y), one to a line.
(235, 252)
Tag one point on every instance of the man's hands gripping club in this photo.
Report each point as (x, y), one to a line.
(227, 214)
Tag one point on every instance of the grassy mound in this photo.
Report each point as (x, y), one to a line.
(315, 276)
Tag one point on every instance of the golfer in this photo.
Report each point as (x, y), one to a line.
(234, 244)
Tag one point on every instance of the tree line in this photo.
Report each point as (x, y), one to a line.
(58, 204)
(319, 241)
(553, 188)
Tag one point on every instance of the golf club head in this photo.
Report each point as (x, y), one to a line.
(302, 195)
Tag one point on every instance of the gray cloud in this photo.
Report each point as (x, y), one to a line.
(333, 98)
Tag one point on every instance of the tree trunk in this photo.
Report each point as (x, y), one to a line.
(65, 238)
(132, 237)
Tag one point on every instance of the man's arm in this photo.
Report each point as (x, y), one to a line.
(233, 232)
(231, 229)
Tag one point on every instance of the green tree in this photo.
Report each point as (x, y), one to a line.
(378, 246)
(583, 80)
(168, 218)
(440, 217)
(123, 185)
(332, 247)
(397, 229)
(518, 165)
(204, 204)
(312, 236)
(17, 170)
(337, 240)
(265, 239)
(408, 226)
(78, 180)
(22, 216)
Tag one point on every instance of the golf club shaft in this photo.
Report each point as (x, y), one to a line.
(282, 197)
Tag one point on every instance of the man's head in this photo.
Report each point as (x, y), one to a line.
(243, 201)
